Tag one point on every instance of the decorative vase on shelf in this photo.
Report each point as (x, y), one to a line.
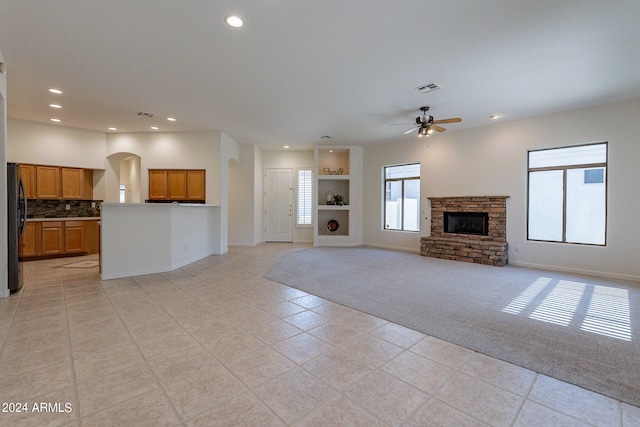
(329, 198)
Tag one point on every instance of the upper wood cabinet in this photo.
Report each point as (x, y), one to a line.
(196, 187)
(28, 174)
(47, 182)
(53, 182)
(77, 183)
(177, 184)
(158, 184)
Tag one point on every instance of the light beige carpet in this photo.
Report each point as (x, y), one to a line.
(579, 329)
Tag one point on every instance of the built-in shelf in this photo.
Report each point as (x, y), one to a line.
(338, 171)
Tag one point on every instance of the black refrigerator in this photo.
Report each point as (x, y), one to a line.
(17, 219)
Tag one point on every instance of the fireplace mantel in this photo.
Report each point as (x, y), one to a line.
(491, 249)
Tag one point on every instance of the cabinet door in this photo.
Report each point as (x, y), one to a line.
(74, 237)
(47, 182)
(72, 184)
(28, 173)
(87, 184)
(29, 242)
(52, 238)
(177, 185)
(196, 185)
(92, 237)
(157, 184)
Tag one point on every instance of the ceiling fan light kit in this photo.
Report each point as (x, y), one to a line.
(426, 125)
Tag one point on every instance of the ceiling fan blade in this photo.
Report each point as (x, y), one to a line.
(452, 120)
(402, 124)
(410, 130)
(437, 128)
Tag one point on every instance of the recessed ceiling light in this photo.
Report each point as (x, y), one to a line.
(113, 128)
(55, 106)
(55, 120)
(155, 127)
(286, 146)
(234, 21)
(56, 91)
(171, 119)
(495, 116)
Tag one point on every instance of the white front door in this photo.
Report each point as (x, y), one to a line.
(278, 204)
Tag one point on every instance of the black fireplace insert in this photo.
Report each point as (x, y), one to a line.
(466, 223)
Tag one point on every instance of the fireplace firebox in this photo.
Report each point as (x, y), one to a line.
(466, 223)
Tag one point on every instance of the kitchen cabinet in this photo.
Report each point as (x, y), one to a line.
(28, 174)
(177, 184)
(92, 237)
(196, 187)
(158, 189)
(47, 182)
(52, 238)
(76, 183)
(74, 237)
(29, 246)
(58, 238)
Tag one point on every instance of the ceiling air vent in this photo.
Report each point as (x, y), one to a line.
(146, 115)
(429, 87)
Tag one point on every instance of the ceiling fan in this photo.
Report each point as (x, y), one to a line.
(426, 125)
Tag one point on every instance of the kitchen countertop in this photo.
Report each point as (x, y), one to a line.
(84, 218)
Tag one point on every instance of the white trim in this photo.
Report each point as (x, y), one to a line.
(576, 271)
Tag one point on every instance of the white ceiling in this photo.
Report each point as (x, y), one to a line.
(301, 69)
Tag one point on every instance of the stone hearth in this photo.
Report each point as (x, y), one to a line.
(490, 249)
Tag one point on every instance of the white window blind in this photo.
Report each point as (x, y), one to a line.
(305, 200)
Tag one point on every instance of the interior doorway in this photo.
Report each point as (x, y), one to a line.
(278, 203)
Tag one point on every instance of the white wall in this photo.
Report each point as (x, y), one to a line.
(4, 264)
(165, 150)
(242, 198)
(289, 159)
(493, 161)
(44, 144)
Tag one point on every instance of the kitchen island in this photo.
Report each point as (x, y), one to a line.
(146, 238)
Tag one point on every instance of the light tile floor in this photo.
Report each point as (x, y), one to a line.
(215, 343)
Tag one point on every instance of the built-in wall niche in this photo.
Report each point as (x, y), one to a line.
(329, 188)
(333, 223)
(338, 170)
(333, 161)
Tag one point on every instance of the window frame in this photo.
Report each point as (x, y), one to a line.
(309, 197)
(385, 180)
(564, 169)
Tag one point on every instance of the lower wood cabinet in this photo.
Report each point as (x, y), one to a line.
(52, 238)
(59, 238)
(29, 246)
(74, 237)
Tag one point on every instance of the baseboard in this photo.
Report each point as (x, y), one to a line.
(393, 248)
(604, 274)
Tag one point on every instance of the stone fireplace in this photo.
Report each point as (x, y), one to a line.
(470, 229)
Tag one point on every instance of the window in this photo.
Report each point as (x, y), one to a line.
(402, 197)
(305, 200)
(567, 199)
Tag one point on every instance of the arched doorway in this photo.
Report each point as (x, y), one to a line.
(125, 187)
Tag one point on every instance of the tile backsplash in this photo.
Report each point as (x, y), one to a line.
(38, 208)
